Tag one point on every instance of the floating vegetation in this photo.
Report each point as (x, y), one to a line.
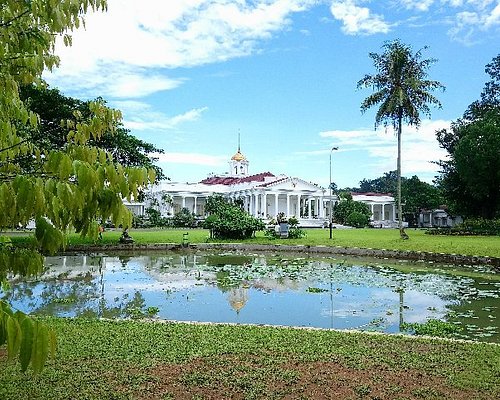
(316, 290)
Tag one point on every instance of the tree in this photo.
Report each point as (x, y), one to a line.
(52, 107)
(69, 187)
(403, 91)
(384, 184)
(418, 195)
(228, 220)
(350, 212)
(415, 194)
(470, 178)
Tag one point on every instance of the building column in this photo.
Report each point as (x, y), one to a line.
(383, 212)
(183, 202)
(298, 206)
(265, 206)
(195, 212)
(309, 214)
(371, 208)
(394, 212)
(321, 207)
(276, 204)
(287, 205)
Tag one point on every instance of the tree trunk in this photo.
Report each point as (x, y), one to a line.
(402, 232)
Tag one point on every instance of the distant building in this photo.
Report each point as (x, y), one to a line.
(264, 195)
(438, 218)
(382, 206)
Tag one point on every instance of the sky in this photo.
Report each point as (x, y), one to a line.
(191, 76)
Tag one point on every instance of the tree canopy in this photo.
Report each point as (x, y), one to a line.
(52, 107)
(402, 91)
(470, 177)
(68, 187)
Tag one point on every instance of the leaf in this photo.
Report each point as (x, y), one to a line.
(14, 337)
(40, 348)
(25, 352)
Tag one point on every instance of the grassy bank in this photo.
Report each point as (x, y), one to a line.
(363, 238)
(143, 360)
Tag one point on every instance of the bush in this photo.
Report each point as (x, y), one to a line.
(229, 221)
(353, 213)
(476, 226)
(184, 219)
(357, 219)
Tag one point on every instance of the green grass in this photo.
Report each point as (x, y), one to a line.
(131, 359)
(362, 238)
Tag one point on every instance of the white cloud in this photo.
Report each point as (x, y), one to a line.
(114, 55)
(192, 158)
(140, 116)
(420, 5)
(419, 147)
(477, 16)
(358, 20)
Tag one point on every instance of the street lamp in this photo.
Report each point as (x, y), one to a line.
(330, 185)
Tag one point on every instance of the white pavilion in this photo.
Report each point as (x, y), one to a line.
(264, 195)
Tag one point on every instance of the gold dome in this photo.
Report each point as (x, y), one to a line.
(238, 157)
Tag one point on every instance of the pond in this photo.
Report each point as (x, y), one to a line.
(275, 289)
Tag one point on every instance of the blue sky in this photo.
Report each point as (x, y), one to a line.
(189, 75)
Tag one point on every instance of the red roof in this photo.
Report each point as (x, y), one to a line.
(233, 180)
(266, 184)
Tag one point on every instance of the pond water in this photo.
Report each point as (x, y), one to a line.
(275, 289)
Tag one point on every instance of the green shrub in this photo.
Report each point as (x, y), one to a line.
(475, 226)
(353, 213)
(357, 219)
(184, 219)
(228, 220)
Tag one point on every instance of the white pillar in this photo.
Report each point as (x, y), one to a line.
(183, 202)
(287, 205)
(276, 204)
(371, 208)
(265, 206)
(322, 207)
(383, 212)
(195, 212)
(309, 200)
(298, 206)
(394, 212)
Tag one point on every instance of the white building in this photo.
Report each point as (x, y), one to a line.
(264, 195)
(382, 206)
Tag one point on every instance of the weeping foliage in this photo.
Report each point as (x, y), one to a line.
(69, 187)
(27, 340)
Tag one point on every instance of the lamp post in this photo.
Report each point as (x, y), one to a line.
(330, 185)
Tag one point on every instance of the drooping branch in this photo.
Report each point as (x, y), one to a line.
(10, 21)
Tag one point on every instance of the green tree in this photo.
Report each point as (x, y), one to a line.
(69, 187)
(470, 178)
(403, 91)
(384, 184)
(228, 220)
(52, 107)
(350, 212)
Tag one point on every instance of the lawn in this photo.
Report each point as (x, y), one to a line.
(151, 360)
(363, 238)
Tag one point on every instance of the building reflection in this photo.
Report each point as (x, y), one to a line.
(237, 298)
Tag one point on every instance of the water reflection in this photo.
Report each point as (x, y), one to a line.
(262, 289)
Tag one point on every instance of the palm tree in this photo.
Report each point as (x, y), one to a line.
(403, 91)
